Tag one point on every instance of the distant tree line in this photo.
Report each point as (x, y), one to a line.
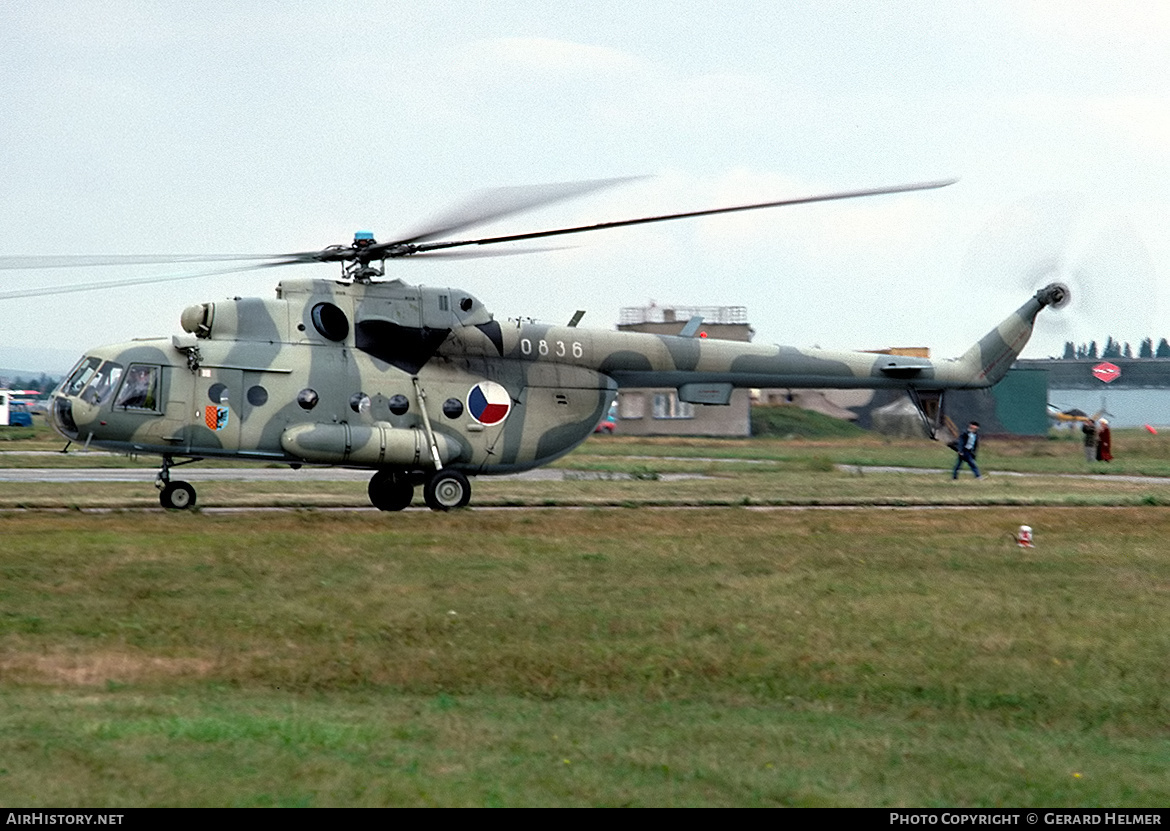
(1114, 349)
(44, 384)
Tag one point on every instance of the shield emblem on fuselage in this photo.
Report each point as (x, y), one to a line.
(216, 418)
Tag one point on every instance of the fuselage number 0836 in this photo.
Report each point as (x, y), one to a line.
(557, 348)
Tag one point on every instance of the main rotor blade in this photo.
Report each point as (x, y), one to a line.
(496, 203)
(44, 291)
(480, 255)
(31, 262)
(482, 207)
(803, 200)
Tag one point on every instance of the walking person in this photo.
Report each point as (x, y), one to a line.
(967, 446)
(1104, 442)
(1089, 428)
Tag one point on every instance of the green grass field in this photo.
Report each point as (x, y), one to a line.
(638, 649)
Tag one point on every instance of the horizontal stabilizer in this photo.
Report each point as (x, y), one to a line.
(901, 369)
(692, 327)
(714, 393)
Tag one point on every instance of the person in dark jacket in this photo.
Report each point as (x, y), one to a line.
(968, 446)
(1104, 442)
(1089, 428)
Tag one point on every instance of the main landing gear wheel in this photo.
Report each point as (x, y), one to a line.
(177, 495)
(390, 492)
(447, 489)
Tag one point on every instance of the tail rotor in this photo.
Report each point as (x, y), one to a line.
(1095, 257)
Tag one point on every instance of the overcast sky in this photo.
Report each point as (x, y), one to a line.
(151, 128)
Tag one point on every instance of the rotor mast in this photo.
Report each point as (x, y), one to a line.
(365, 250)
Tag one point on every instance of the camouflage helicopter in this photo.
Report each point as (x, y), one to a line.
(422, 385)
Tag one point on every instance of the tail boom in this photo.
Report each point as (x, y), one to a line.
(986, 363)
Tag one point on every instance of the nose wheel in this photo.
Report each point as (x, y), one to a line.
(177, 495)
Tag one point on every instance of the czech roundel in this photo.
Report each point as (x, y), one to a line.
(489, 403)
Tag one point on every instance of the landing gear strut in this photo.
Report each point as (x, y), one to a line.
(174, 495)
(929, 404)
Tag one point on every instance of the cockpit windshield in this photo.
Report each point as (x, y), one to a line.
(80, 376)
(100, 385)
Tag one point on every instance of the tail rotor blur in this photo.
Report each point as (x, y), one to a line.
(1109, 280)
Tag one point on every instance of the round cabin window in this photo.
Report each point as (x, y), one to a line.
(307, 398)
(359, 402)
(398, 404)
(330, 321)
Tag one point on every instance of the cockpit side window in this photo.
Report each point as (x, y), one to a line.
(139, 389)
(80, 376)
(99, 387)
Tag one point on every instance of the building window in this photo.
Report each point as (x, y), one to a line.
(667, 405)
(631, 405)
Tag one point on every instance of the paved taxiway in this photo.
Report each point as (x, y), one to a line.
(337, 474)
(146, 476)
(305, 474)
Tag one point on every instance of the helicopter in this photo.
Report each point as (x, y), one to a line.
(423, 385)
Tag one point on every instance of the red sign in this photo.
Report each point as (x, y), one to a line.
(1107, 372)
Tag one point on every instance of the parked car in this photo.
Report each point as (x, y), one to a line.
(13, 413)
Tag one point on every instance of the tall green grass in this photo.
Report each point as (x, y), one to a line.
(586, 657)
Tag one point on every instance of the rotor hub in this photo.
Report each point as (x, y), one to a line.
(1056, 295)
